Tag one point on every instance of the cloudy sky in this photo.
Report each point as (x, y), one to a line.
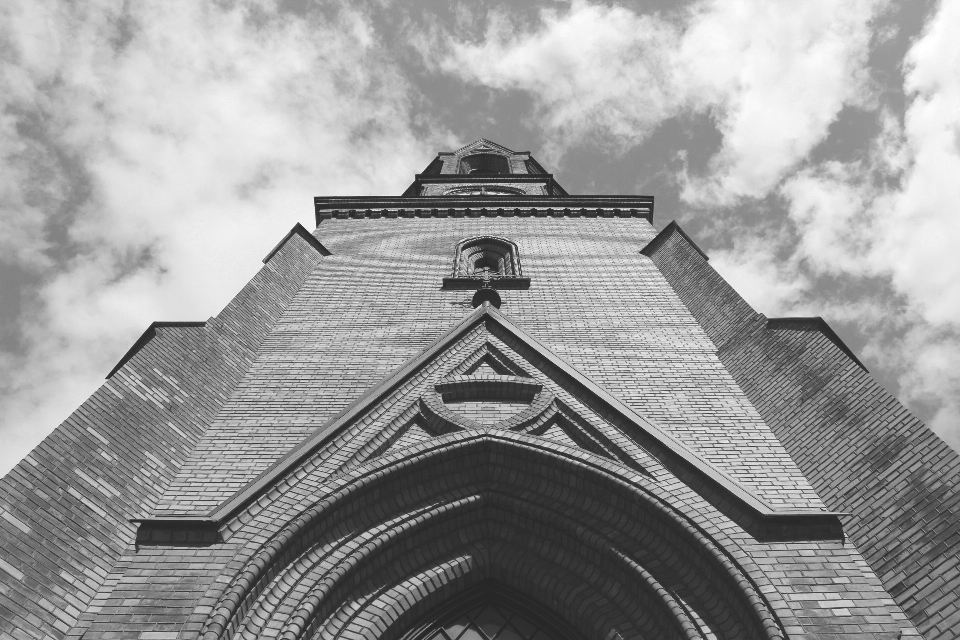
(152, 152)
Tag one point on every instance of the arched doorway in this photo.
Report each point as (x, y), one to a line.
(400, 537)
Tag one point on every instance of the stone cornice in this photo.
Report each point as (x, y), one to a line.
(553, 187)
(298, 230)
(484, 206)
(815, 323)
(665, 233)
(149, 335)
(484, 178)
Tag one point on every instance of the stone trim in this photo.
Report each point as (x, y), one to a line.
(601, 206)
(147, 336)
(457, 388)
(667, 231)
(443, 420)
(469, 283)
(814, 323)
(479, 211)
(553, 188)
(483, 142)
(300, 230)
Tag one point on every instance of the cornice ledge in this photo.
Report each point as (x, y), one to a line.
(815, 323)
(148, 335)
(299, 230)
(478, 207)
(662, 237)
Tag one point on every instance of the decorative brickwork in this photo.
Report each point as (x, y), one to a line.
(486, 260)
(66, 507)
(862, 450)
(351, 450)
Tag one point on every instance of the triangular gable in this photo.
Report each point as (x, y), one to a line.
(483, 145)
(675, 456)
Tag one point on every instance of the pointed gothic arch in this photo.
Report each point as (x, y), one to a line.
(402, 534)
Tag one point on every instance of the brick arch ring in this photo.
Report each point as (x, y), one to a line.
(399, 535)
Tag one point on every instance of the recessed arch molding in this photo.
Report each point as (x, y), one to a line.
(402, 535)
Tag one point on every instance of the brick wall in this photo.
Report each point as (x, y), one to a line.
(309, 335)
(64, 509)
(377, 301)
(861, 449)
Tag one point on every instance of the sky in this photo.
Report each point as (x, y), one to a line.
(151, 153)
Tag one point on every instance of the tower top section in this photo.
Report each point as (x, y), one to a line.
(483, 178)
(484, 168)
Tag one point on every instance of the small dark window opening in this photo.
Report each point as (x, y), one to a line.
(490, 264)
(484, 163)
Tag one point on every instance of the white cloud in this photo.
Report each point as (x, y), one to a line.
(896, 217)
(593, 70)
(774, 75)
(921, 224)
(757, 271)
(828, 209)
(201, 134)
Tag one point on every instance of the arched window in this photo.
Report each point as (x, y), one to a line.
(486, 259)
(484, 163)
(490, 615)
(491, 256)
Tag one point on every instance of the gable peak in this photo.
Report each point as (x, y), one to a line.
(482, 145)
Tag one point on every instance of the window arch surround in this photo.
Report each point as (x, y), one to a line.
(498, 256)
(486, 258)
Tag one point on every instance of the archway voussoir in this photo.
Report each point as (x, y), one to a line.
(512, 478)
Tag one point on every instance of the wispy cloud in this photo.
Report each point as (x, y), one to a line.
(152, 150)
(772, 75)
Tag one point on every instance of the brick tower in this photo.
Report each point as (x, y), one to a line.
(484, 409)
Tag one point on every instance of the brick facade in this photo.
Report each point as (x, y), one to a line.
(350, 446)
(864, 453)
(66, 507)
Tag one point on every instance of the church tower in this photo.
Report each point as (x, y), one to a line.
(485, 409)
